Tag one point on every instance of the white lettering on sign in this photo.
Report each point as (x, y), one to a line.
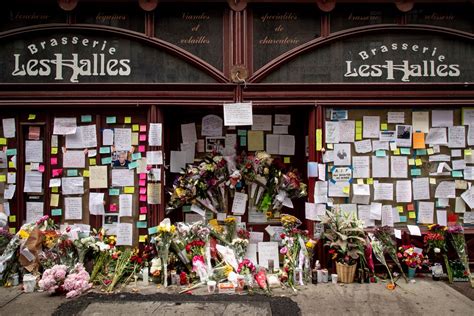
(99, 63)
(432, 65)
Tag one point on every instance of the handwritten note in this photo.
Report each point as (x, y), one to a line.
(238, 114)
(73, 208)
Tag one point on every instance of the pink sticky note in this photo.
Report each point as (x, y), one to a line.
(41, 168)
(143, 210)
(142, 128)
(142, 183)
(57, 172)
(113, 207)
(143, 190)
(143, 137)
(141, 148)
(142, 197)
(142, 176)
(54, 161)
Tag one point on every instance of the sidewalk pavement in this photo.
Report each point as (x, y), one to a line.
(425, 297)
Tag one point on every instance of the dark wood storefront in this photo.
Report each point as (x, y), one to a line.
(178, 61)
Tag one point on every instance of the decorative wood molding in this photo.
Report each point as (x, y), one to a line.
(237, 5)
(326, 5)
(148, 5)
(68, 5)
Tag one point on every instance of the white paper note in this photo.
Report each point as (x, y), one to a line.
(268, 251)
(238, 114)
(123, 139)
(441, 118)
(380, 167)
(441, 217)
(421, 189)
(446, 189)
(456, 137)
(107, 137)
(98, 177)
(96, 203)
(123, 178)
(331, 132)
(64, 125)
(342, 154)
(346, 131)
(188, 133)
(34, 151)
(403, 189)
(9, 127)
(239, 203)
(414, 230)
(33, 182)
(154, 134)
(177, 161)
(124, 234)
(360, 167)
(399, 167)
(421, 121)
(363, 146)
(383, 191)
(460, 206)
(371, 126)
(34, 211)
(125, 204)
(287, 145)
(396, 117)
(425, 212)
(73, 208)
(387, 215)
(262, 123)
(74, 159)
(72, 185)
(468, 197)
(154, 157)
(283, 119)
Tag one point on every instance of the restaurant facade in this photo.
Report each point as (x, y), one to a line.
(128, 64)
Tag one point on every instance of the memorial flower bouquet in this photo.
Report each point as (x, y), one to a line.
(52, 279)
(246, 268)
(435, 240)
(230, 224)
(162, 242)
(459, 244)
(385, 236)
(413, 259)
(5, 238)
(294, 250)
(289, 186)
(77, 281)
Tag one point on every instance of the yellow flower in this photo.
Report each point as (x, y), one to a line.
(172, 229)
(229, 220)
(23, 234)
(215, 226)
(269, 214)
(310, 244)
(227, 270)
(180, 192)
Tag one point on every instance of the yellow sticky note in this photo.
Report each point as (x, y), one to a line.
(411, 215)
(3, 178)
(92, 161)
(142, 238)
(358, 124)
(383, 126)
(27, 168)
(400, 209)
(134, 138)
(467, 152)
(135, 128)
(3, 141)
(360, 181)
(411, 162)
(31, 117)
(142, 217)
(319, 139)
(432, 181)
(396, 152)
(370, 181)
(54, 200)
(130, 190)
(358, 136)
(127, 120)
(430, 151)
(54, 189)
(286, 159)
(330, 146)
(54, 150)
(86, 173)
(11, 164)
(12, 230)
(418, 162)
(346, 190)
(12, 218)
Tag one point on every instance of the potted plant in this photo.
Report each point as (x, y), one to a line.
(345, 236)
